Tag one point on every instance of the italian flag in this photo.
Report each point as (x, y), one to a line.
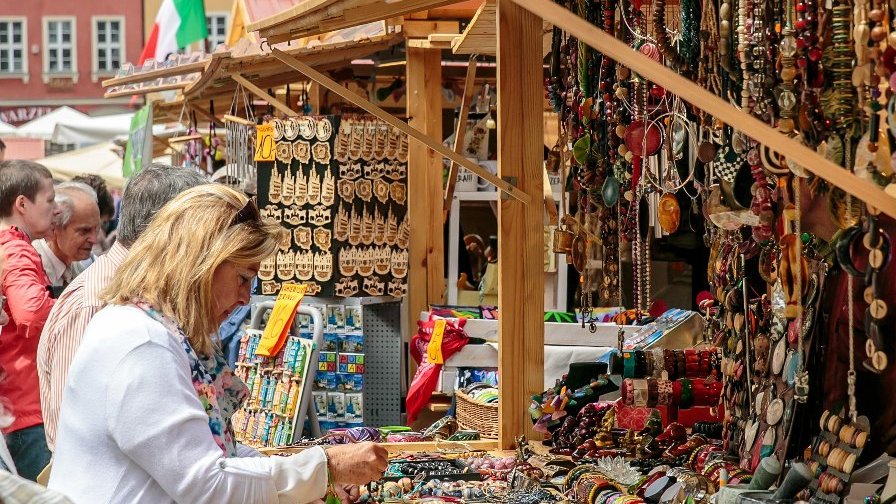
(178, 24)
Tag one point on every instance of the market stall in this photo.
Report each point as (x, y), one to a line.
(738, 122)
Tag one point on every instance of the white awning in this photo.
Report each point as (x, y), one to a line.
(44, 126)
(91, 130)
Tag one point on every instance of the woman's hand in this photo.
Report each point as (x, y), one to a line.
(357, 464)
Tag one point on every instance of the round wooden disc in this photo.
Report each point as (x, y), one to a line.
(876, 258)
(879, 360)
(706, 152)
(866, 240)
(878, 309)
(869, 294)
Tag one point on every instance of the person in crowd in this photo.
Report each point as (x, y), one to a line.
(27, 212)
(145, 415)
(74, 233)
(107, 212)
(2, 150)
(145, 194)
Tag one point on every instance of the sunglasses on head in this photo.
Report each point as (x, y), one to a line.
(249, 213)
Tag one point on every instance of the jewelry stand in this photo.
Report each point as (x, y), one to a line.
(303, 410)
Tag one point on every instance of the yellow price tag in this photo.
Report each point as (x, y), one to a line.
(281, 319)
(434, 349)
(264, 142)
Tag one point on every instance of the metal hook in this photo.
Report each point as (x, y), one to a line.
(263, 42)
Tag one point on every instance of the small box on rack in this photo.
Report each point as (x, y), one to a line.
(350, 382)
(354, 319)
(326, 380)
(351, 363)
(335, 318)
(351, 343)
(336, 406)
(320, 403)
(327, 361)
(354, 407)
(331, 342)
(350, 368)
(303, 321)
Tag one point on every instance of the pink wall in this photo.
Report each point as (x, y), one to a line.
(24, 148)
(84, 95)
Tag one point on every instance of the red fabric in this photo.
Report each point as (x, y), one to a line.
(28, 304)
(631, 417)
(427, 376)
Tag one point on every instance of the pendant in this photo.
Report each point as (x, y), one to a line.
(801, 386)
(669, 213)
(610, 191)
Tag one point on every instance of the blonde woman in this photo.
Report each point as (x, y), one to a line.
(145, 415)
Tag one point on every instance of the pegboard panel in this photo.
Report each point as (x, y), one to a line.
(384, 355)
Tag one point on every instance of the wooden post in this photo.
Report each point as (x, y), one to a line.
(424, 108)
(315, 97)
(520, 227)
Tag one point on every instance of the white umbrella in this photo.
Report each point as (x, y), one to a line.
(44, 126)
(101, 159)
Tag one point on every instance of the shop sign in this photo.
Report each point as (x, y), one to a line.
(20, 115)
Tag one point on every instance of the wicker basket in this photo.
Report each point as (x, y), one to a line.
(472, 415)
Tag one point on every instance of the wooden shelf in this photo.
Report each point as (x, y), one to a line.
(481, 35)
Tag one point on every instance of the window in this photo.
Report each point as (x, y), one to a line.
(60, 56)
(108, 45)
(12, 47)
(217, 29)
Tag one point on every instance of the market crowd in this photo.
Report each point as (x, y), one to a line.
(116, 319)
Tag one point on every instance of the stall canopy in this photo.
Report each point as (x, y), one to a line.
(92, 130)
(44, 126)
(7, 129)
(103, 159)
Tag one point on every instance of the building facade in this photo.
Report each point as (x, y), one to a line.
(58, 53)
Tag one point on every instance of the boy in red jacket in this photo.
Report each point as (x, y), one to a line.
(27, 212)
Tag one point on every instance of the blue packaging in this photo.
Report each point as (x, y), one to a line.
(351, 343)
(326, 380)
(350, 382)
(331, 342)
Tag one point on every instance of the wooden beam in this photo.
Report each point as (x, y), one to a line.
(315, 17)
(414, 133)
(257, 91)
(422, 29)
(585, 32)
(460, 132)
(206, 115)
(426, 277)
(520, 227)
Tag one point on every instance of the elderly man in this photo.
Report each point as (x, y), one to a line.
(145, 194)
(74, 233)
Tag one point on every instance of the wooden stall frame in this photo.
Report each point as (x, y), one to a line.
(520, 227)
(372, 108)
(708, 102)
(460, 132)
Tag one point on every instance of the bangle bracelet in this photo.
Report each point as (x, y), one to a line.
(686, 393)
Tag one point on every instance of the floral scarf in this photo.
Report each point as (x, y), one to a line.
(220, 391)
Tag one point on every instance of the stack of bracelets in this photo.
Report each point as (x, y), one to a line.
(588, 485)
(683, 393)
(688, 363)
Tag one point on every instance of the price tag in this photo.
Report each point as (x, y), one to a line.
(281, 319)
(434, 350)
(264, 142)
